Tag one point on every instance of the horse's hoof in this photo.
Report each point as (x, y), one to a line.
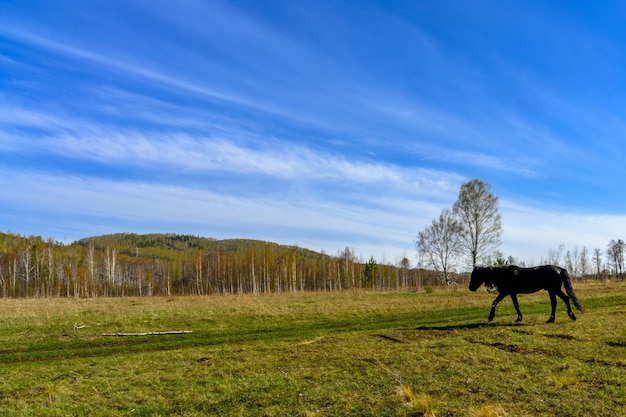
(572, 316)
(490, 318)
(550, 320)
(518, 320)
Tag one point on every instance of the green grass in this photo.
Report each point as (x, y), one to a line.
(324, 354)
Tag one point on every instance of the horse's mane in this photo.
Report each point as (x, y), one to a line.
(491, 274)
(490, 278)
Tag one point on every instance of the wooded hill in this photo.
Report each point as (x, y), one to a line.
(129, 264)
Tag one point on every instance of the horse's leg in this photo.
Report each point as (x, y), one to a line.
(553, 302)
(493, 306)
(516, 304)
(565, 298)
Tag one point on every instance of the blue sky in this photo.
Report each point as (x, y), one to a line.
(324, 124)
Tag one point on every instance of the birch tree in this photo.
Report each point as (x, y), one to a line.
(597, 260)
(584, 261)
(25, 257)
(615, 254)
(440, 243)
(479, 219)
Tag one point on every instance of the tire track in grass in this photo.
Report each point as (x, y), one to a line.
(106, 346)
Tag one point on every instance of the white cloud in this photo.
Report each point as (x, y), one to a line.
(11, 115)
(176, 153)
(93, 203)
(530, 233)
(126, 66)
(521, 165)
(385, 229)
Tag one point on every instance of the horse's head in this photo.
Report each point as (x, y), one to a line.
(478, 278)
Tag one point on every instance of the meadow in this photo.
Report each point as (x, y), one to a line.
(314, 354)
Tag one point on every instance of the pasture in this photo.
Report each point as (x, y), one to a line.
(315, 354)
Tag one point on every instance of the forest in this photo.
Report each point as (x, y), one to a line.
(129, 264)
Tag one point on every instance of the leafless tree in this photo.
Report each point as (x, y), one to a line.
(572, 262)
(405, 265)
(111, 267)
(554, 256)
(584, 261)
(597, 260)
(440, 243)
(2, 281)
(25, 256)
(615, 253)
(479, 218)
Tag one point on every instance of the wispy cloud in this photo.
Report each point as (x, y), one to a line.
(90, 203)
(140, 205)
(350, 99)
(125, 66)
(530, 233)
(280, 160)
(521, 165)
(20, 117)
(180, 153)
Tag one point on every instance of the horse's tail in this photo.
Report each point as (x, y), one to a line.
(570, 290)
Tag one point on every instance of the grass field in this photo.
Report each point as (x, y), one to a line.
(314, 354)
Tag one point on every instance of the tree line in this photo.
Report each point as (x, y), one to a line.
(169, 264)
(583, 263)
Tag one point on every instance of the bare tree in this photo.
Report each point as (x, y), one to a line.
(111, 268)
(2, 281)
(480, 220)
(554, 256)
(405, 265)
(49, 255)
(25, 257)
(91, 263)
(572, 262)
(440, 243)
(617, 251)
(584, 262)
(597, 260)
(615, 254)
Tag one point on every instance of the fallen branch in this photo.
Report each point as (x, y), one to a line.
(148, 333)
(310, 342)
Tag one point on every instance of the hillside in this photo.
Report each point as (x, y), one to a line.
(174, 246)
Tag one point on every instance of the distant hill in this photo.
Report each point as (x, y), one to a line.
(171, 245)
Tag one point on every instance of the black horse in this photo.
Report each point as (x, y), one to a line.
(512, 280)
